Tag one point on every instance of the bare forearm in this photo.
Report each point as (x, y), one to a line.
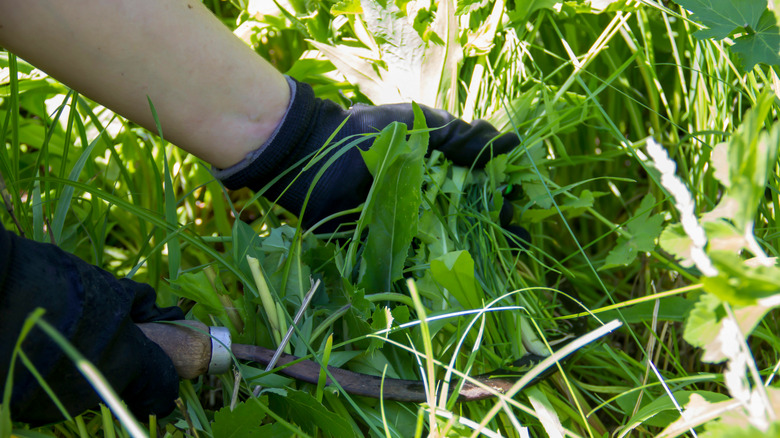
(214, 96)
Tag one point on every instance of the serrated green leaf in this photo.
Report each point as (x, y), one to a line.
(433, 233)
(675, 241)
(243, 421)
(722, 17)
(622, 254)
(760, 42)
(309, 414)
(644, 228)
(393, 208)
(401, 48)
(763, 46)
(702, 325)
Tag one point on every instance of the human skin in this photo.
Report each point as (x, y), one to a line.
(214, 96)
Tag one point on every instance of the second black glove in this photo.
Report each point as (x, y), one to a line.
(345, 184)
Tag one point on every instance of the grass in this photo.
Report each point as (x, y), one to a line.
(585, 91)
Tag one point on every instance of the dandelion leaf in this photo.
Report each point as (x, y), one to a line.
(243, 421)
(393, 207)
(433, 232)
(644, 228)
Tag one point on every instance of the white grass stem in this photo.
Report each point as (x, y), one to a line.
(291, 329)
(552, 360)
(671, 396)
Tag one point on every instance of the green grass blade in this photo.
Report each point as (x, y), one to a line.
(63, 203)
(174, 249)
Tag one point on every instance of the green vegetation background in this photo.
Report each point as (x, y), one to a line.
(588, 87)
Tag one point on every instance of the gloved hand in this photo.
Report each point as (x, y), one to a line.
(97, 313)
(309, 123)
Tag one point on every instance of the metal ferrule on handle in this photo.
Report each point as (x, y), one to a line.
(220, 350)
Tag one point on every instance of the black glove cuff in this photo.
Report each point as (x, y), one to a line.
(292, 134)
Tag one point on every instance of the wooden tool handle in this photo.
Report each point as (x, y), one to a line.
(188, 348)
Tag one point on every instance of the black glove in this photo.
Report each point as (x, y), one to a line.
(311, 121)
(97, 313)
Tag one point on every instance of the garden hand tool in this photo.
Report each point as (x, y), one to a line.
(196, 349)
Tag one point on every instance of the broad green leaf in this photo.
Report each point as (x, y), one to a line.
(644, 229)
(722, 17)
(433, 233)
(747, 159)
(763, 46)
(722, 419)
(466, 6)
(305, 411)
(496, 170)
(455, 272)
(738, 283)
(243, 421)
(393, 208)
(760, 41)
(736, 424)
(703, 323)
(703, 327)
(662, 411)
(197, 287)
(410, 68)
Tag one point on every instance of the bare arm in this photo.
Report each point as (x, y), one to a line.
(214, 96)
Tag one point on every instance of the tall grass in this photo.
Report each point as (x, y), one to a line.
(583, 89)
